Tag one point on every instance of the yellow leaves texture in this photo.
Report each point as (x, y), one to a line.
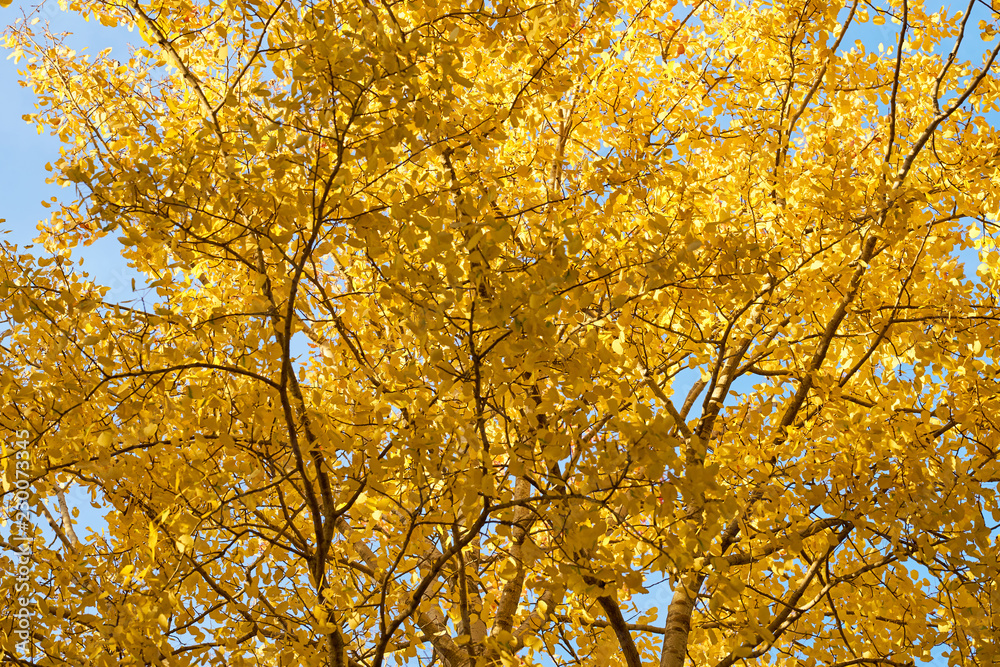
(560, 333)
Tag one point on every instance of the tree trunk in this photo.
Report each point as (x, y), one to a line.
(679, 624)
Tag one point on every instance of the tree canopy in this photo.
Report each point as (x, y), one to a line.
(421, 279)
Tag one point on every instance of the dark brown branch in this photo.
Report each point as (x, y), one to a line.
(618, 624)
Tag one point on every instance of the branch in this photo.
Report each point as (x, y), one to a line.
(633, 627)
(667, 403)
(175, 59)
(895, 81)
(742, 558)
(943, 116)
(427, 580)
(618, 624)
(511, 594)
(789, 613)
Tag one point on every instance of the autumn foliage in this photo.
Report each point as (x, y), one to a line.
(421, 280)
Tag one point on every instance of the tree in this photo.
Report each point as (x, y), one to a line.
(421, 279)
